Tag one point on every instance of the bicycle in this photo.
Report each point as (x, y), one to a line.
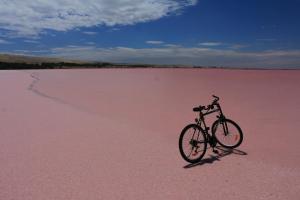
(224, 131)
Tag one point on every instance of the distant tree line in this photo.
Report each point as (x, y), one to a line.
(69, 65)
(60, 65)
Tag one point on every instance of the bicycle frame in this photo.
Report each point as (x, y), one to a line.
(221, 119)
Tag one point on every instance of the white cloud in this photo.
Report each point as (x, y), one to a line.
(183, 56)
(115, 29)
(154, 42)
(32, 41)
(33, 17)
(4, 41)
(24, 52)
(90, 33)
(172, 45)
(211, 44)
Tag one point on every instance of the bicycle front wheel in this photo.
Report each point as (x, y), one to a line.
(192, 143)
(227, 133)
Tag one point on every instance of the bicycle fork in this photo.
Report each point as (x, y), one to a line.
(224, 124)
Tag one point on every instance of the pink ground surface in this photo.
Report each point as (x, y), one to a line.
(113, 134)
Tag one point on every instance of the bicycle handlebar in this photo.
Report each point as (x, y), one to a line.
(208, 107)
(216, 98)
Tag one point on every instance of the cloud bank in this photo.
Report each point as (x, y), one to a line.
(33, 17)
(182, 56)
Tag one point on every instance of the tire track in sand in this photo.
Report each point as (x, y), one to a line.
(32, 88)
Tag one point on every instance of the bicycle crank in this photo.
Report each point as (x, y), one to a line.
(212, 142)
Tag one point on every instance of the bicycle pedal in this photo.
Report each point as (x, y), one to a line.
(215, 151)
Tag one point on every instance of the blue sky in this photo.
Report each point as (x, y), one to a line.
(237, 33)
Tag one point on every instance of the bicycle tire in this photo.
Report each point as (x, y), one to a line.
(237, 136)
(199, 139)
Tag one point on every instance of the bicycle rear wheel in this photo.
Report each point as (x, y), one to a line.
(192, 143)
(227, 133)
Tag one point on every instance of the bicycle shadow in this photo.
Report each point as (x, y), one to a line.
(222, 152)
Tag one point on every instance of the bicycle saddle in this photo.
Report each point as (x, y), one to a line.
(198, 109)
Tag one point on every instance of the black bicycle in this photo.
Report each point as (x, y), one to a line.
(194, 137)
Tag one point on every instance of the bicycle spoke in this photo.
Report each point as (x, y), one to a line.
(192, 148)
